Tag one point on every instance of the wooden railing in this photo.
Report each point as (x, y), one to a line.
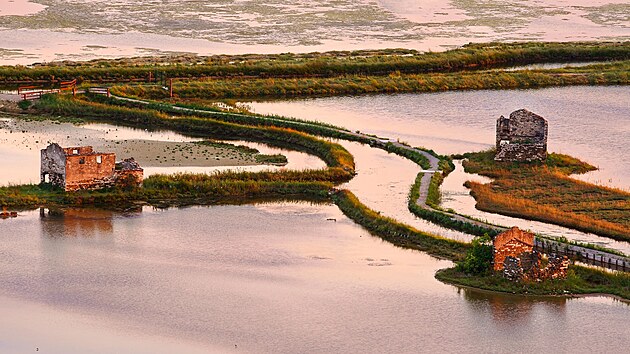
(583, 254)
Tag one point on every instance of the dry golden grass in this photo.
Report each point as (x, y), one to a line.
(545, 192)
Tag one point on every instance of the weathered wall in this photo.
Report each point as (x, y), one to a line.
(84, 172)
(513, 243)
(53, 164)
(521, 137)
(80, 150)
(521, 152)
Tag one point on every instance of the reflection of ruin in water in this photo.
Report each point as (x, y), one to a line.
(511, 308)
(73, 222)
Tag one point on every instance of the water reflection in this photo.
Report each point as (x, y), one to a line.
(77, 222)
(513, 310)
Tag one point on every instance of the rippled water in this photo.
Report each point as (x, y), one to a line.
(266, 278)
(45, 30)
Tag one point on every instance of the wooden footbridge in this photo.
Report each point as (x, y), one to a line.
(582, 254)
(33, 92)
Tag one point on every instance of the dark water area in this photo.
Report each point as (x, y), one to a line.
(276, 277)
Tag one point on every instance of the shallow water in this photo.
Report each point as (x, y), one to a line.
(276, 277)
(591, 123)
(87, 29)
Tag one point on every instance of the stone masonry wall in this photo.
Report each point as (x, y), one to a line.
(512, 242)
(521, 137)
(53, 165)
(84, 172)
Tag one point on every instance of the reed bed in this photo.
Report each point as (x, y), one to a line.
(545, 192)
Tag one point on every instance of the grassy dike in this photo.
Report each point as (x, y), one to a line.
(329, 64)
(307, 127)
(580, 280)
(545, 192)
(241, 187)
(617, 73)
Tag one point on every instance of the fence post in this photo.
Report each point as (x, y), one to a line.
(170, 85)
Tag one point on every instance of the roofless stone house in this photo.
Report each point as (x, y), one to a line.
(522, 137)
(76, 168)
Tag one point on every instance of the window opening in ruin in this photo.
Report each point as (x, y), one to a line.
(82, 160)
(46, 178)
(99, 159)
(75, 151)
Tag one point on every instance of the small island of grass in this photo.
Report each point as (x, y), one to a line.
(544, 191)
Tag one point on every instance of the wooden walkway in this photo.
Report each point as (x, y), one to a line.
(583, 254)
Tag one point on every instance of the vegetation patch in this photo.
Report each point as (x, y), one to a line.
(545, 192)
(329, 64)
(580, 280)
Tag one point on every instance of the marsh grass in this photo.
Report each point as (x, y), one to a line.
(580, 280)
(545, 192)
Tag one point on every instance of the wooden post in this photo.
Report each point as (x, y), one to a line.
(170, 86)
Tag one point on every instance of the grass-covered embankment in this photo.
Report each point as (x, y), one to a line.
(580, 280)
(397, 233)
(307, 127)
(179, 189)
(545, 192)
(336, 157)
(603, 74)
(329, 64)
(441, 218)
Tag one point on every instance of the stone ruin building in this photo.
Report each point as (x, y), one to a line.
(514, 256)
(522, 137)
(76, 168)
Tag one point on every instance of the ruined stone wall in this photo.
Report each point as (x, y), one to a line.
(521, 137)
(53, 165)
(512, 242)
(521, 152)
(79, 150)
(514, 248)
(85, 172)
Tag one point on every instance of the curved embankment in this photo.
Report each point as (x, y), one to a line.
(418, 201)
(588, 280)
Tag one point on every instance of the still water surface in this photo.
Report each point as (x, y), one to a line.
(273, 277)
(588, 122)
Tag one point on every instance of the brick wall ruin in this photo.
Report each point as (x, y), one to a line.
(512, 242)
(90, 170)
(515, 258)
(521, 137)
(78, 168)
